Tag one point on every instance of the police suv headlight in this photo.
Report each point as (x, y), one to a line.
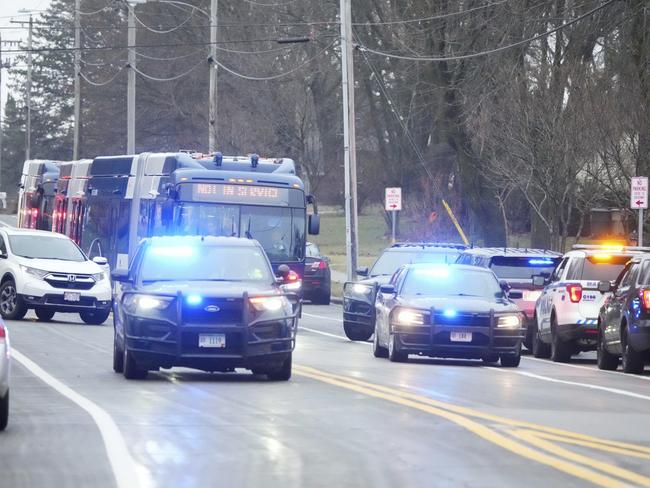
(269, 304)
(34, 272)
(406, 316)
(509, 321)
(145, 303)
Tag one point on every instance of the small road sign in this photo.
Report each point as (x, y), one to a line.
(393, 199)
(639, 192)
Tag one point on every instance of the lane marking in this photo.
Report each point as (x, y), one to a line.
(587, 368)
(474, 427)
(335, 336)
(322, 317)
(123, 466)
(616, 391)
(594, 445)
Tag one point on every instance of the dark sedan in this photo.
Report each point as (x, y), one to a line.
(317, 280)
(450, 311)
(209, 303)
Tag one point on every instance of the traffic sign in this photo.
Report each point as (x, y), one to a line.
(639, 192)
(393, 199)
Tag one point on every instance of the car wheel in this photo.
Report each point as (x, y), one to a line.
(44, 314)
(491, 359)
(632, 361)
(118, 356)
(283, 373)
(394, 354)
(528, 339)
(541, 350)
(560, 350)
(511, 361)
(95, 317)
(357, 333)
(131, 369)
(12, 306)
(377, 350)
(4, 411)
(605, 359)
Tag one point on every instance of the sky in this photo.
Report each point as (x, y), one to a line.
(12, 9)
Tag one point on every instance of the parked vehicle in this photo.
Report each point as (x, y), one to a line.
(317, 280)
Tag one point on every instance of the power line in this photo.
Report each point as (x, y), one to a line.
(102, 83)
(172, 78)
(174, 58)
(491, 51)
(161, 31)
(279, 4)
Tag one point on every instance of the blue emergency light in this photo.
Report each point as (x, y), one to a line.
(194, 299)
(449, 313)
(540, 262)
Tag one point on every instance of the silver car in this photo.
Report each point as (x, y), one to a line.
(4, 376)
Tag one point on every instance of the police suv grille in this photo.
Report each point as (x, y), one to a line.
(463, 319)
(214, 311)
(70, 281)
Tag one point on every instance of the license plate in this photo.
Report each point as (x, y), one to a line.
(461, 337)
(70, 296)
(212, 340)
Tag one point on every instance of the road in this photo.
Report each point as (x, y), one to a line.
(345, 419)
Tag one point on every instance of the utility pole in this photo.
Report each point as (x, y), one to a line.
(212, 117)
(28, 129)
(77, 80)
(130, 96)
(3, 65)
(349, 140)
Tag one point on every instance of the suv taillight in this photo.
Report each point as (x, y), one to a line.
(575, 293)
(319, 265)
(645, 299)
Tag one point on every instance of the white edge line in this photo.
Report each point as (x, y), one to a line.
(587, 368)
(327, 334)
(122, 464)
(616, 391)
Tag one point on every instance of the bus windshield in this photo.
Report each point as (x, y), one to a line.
(280, 230)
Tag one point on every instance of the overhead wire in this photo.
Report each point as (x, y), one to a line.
(278, 4)
(362, 47)
(174, 58)
(160, 31)
(171, 78)
(103, 83)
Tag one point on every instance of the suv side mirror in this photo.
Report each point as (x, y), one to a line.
(314, 224)
(363, 271)
(540, 280)
(101, 260)
(387, 289)
(605, 286)
(121, 275)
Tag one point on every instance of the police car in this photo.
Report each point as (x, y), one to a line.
(209, 303)
(566, 313)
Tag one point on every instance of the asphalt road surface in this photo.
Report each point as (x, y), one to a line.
(345, 419)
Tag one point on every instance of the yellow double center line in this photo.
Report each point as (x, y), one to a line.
(531, 441)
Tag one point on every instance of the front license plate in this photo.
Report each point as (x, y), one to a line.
(461, 337)
(70, 296)
(212, 340)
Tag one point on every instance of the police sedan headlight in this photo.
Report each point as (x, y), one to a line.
(34, 272)
(405, 316)
(509, 322)
(145, 303)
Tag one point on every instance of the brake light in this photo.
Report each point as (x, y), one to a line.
(319, 265)
(575, 293)
(645, 299)
(3, 333)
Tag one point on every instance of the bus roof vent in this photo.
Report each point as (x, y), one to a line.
(218, 159)
(255, 159)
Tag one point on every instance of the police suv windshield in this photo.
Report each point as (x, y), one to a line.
(447, 281)
(390, 261)
(205, 263)
(45, 247)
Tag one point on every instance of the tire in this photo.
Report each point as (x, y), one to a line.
(12, 306)
(541, 350)
(118, 356)
(511, 361)
(4, 411)
(632, 361)
(394, 354)
(356, 333)
(377, 350)
(560, 351)
(95, 317)
(321, 298)
(44, 314)
(490, 360)
(606, 360)
(131, 370)
(283, 373)
(528, 339)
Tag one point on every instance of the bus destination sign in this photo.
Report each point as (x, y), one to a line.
(224, 193)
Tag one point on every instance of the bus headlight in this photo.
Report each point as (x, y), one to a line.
(509, 322)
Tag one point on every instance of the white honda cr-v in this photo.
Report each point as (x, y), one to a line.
(48, 272)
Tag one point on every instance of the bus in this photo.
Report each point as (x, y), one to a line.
(36, 194)
(128, 198)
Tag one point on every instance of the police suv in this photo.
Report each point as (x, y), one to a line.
(566, 313)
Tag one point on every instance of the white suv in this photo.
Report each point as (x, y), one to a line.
(49, 273)
(566, 313)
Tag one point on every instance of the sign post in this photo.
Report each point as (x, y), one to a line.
(393, 205)
(639, 201)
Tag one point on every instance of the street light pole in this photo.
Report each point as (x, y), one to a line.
(77, 80)
(212, 116)
(349, 140)
(130, 95)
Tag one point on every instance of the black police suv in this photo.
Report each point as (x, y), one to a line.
(359, 296)
(210, 303)
(317, 279)
(451, 311)
(624, 318)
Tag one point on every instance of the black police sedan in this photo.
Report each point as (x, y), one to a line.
(624, 318)
(453, 311)
(359, 297)
(210, 303)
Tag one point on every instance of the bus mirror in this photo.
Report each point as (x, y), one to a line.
(314, 224)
